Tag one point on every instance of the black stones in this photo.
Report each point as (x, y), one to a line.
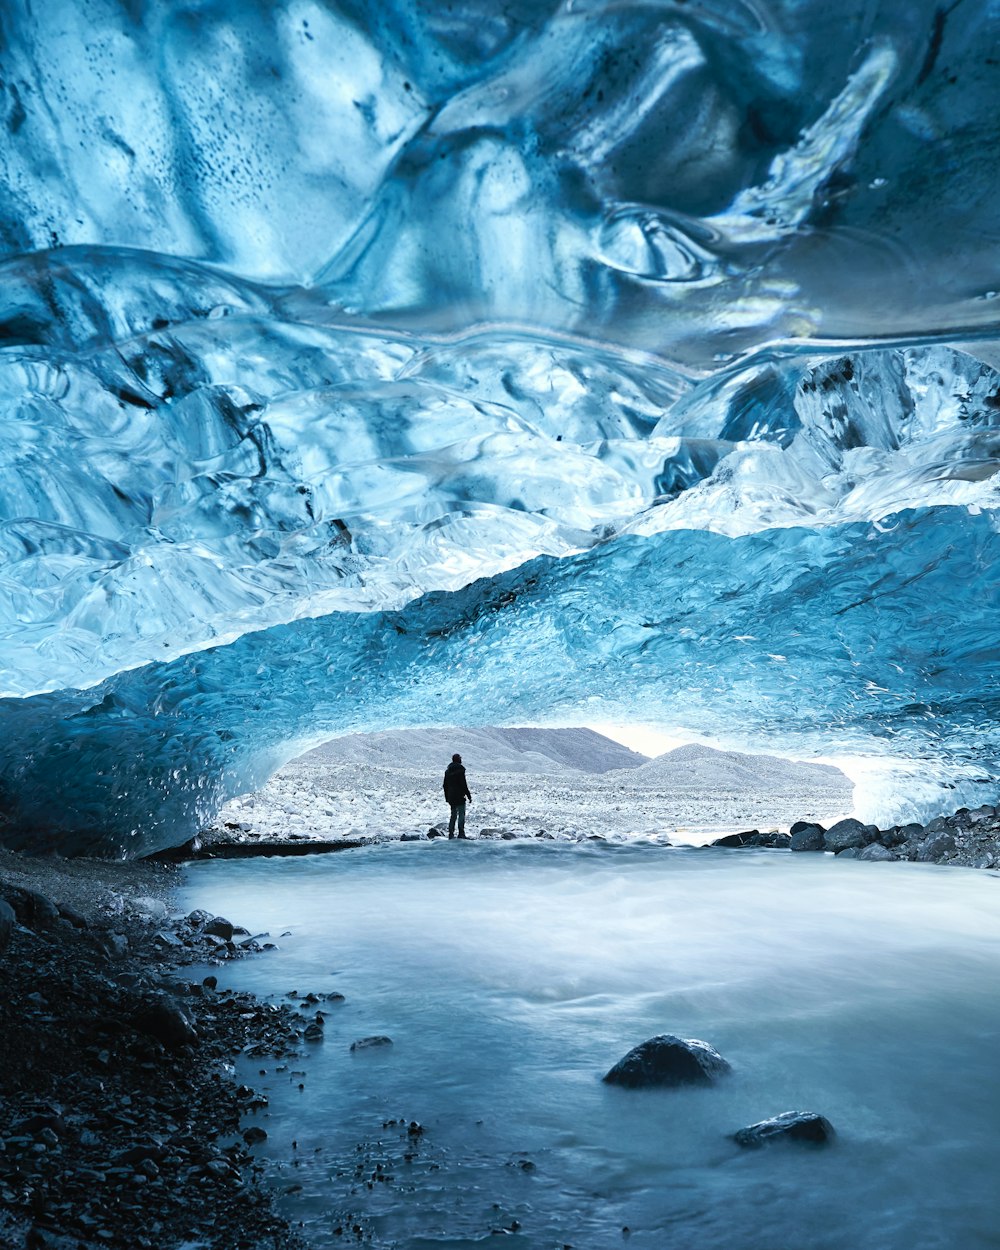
(163, 1020)
(807, 837)
(791, 1126)
(370, 1043)
(846, 835)
(667, 1060)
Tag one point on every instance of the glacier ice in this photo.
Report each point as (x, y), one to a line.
(408, 364)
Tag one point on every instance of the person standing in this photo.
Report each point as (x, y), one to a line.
(456, 791)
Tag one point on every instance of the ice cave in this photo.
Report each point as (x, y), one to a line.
(366, 366)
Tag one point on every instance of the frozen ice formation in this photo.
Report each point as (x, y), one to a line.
(370, 365)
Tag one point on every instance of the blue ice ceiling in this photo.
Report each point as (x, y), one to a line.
(409, 363)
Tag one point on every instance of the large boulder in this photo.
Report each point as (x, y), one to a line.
(668, 1060)
(807, 837)
(846, 834)
(799, 1126)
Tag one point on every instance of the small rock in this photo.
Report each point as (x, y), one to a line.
(253, 1135)
(370, 1043)
(668, 1060)
(73, 916)
(412, 837)
(895, 836)
(849, 852)
(877, 853)
(801, 1126)
(153, 907)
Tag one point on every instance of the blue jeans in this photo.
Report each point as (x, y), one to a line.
(457, 810)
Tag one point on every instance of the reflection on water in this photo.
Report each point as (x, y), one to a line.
(510, 977)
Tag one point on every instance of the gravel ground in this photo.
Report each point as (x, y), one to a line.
(119, 1123)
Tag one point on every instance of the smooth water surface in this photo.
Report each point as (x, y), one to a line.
(512, 976)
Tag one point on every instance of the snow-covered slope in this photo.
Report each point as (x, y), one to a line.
(706, 769)
(489, 749)
(525, 781)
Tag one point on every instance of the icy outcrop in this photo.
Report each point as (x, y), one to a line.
(572, 362)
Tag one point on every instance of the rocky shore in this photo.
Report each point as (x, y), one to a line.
(120, 1124)
(966, 839)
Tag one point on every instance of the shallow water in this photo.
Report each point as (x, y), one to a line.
(511, 976)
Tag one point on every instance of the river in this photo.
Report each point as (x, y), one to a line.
(511, 976)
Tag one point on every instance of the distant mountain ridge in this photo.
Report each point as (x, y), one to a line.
(484, 749)
(704, 768)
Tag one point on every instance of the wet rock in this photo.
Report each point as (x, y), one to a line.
(772, 839)
(846, 834)
(935, 847)
(937, 825)
(7, 922)
(163, 1019)
(807, 837)
(220, 927)
(412, 837)
(435, 832)
(668, 1060)
(370, 1043)
(849, 852)
(737, 839)
(253, 1135)
(913, 832)
(877, 853)
(798, 1126)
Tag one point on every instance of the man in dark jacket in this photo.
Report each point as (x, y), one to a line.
(456, 791)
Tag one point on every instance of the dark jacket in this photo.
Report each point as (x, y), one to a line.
(456, 788)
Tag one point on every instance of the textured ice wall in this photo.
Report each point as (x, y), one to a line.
(367, 365)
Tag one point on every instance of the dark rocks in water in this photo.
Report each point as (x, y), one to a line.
(936, 846)
(754, 838)
(800, 825)
(896, 836)
(162, 1019)
(220, 927)
(876, 853)
(412, 837)
(737, 839)
(7, 922)
(799, 1126)
(807, 837)
(849, 852)
(668, 1060)
(846, 834)
(435, 832)
(370, 1043)
(254, 1134)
